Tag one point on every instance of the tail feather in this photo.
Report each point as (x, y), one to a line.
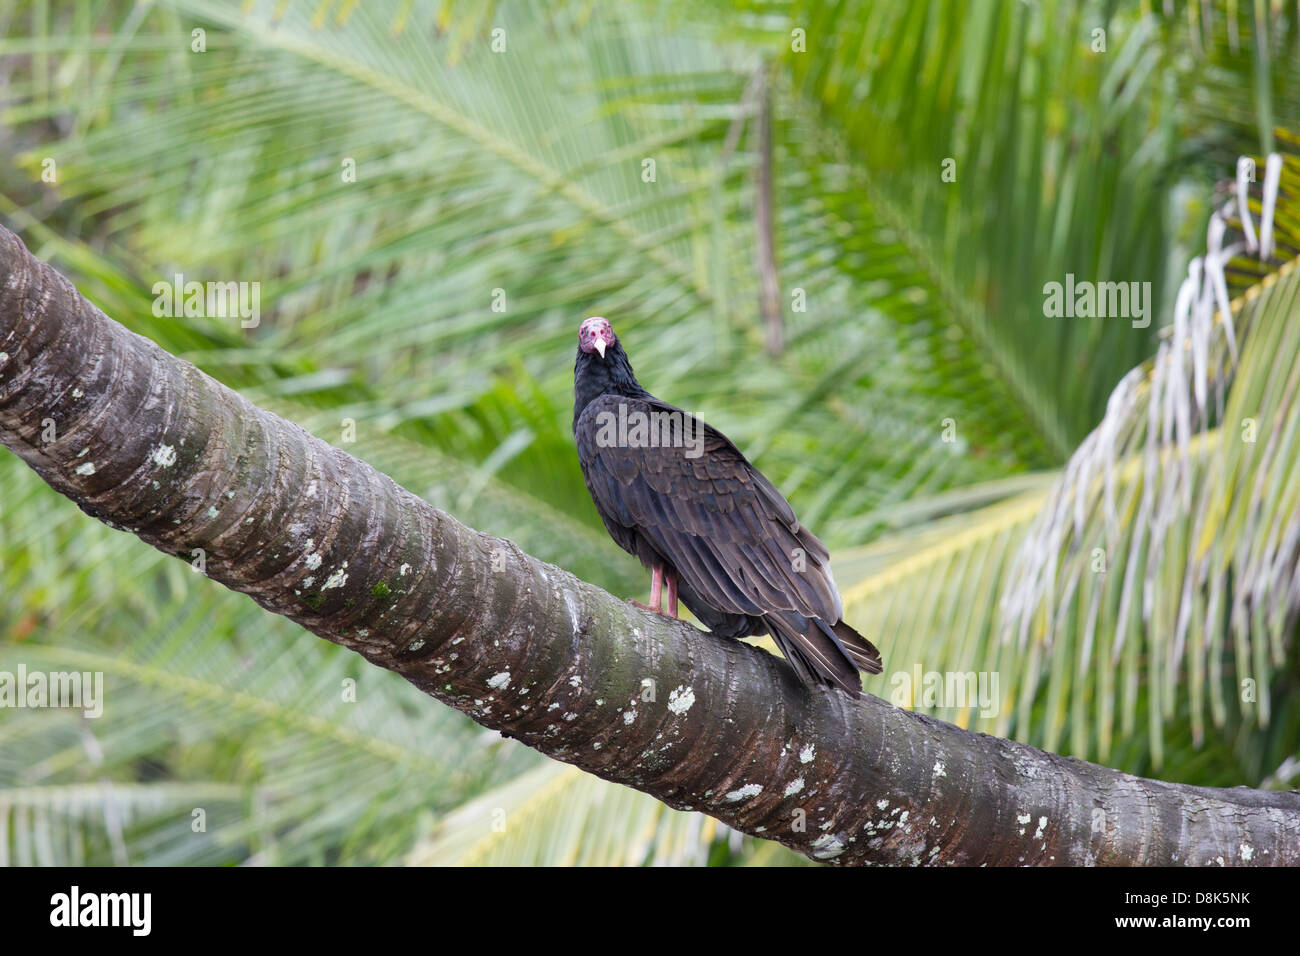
(824, 654)
(865, 654)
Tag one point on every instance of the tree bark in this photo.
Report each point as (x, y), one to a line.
(149, 444)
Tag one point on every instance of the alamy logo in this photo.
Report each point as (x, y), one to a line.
(1101, 300)
(213, 300)
(74, 689)
(74, 908)
(635, 428)
(954, 690)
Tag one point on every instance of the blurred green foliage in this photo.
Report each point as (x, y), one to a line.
(519, 175)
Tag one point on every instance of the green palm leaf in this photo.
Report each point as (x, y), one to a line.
(1157, 572)
(522, 170)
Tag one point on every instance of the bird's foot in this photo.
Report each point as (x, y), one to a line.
(654, 610)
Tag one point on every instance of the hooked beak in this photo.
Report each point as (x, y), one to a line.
(600, 346)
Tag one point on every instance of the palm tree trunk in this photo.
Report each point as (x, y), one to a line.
(149, 444)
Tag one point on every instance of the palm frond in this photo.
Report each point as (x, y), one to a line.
(522, 171)
(1157, 576)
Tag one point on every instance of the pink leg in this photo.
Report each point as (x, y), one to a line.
(657, 593)
(657, 588)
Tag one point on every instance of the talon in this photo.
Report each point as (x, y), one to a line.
(652, 610)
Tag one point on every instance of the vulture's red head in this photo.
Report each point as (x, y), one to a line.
(595, 335)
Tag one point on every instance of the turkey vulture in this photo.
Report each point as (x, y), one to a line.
(682, 498)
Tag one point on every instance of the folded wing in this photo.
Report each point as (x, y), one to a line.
(705, 510)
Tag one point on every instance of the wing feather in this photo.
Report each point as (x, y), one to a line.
(714, 517)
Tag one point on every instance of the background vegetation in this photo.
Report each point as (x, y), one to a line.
(522, 171)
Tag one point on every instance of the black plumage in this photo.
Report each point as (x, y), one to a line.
(698, 513)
